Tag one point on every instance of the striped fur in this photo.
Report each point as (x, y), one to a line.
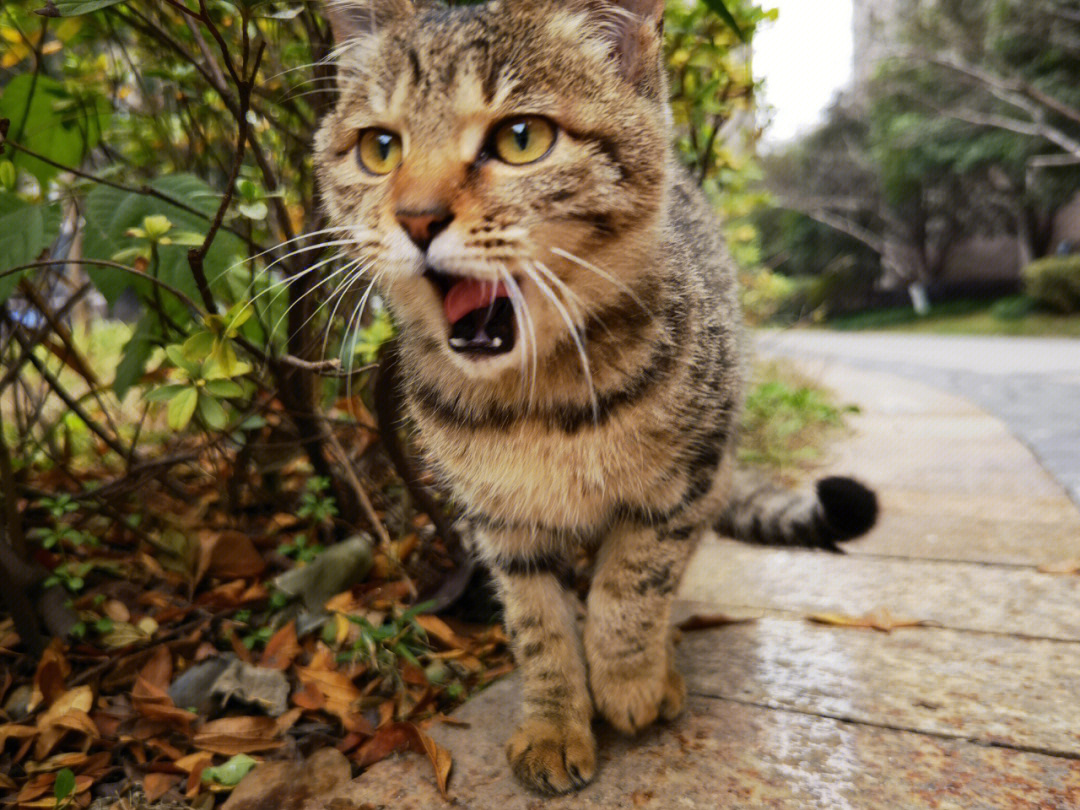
(618, 435)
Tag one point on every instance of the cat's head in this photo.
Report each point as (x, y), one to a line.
(498, 168)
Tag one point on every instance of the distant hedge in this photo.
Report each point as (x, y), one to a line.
(1055, 282)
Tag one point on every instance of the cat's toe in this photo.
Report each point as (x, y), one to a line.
(550, 758)
(632, 703)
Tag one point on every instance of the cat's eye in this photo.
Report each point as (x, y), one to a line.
(523, 140)
(378, 150)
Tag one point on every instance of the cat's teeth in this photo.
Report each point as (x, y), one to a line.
(496, 342)
(458, 343)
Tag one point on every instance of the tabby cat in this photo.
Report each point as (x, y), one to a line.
(569, 330)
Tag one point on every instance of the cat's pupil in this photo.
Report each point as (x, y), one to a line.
(384, 142)
(521, 135)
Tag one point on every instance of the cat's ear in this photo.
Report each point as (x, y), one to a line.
(356, 19)
(635, 31)
(642, 41)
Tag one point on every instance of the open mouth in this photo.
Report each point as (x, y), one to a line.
(480, 313)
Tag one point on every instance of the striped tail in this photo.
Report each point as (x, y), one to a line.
(838, 509)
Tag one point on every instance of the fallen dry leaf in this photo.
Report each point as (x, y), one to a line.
(13, 731)
(156, 785)
(291, 784)
(440, 758)
(880, 619)
(1070, 566)
(434, 626)
(153, 703)
(282, 648)
(705, 621)
(402, 736)
(49, 678)
(339, 694)
(228, 554)
(158, 670)
(243, 735)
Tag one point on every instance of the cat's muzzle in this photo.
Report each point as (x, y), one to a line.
(480, 314)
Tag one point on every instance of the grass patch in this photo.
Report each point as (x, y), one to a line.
(1007, 316)
(788, 419)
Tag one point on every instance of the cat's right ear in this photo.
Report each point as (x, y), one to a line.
(355, 19)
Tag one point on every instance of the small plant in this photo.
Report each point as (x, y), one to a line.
(315, 504)
(61, 532)
(205, 383)
(784, 419)
(71, 575)
(101, 627)
(399, 638)
(301, 549)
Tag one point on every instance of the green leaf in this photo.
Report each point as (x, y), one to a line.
(48, 119)
(231, 772)
(64, 784)
(212, 413)
(198, 347)
(110, 213)
(238, 314)
(182, 408)
(163, 393)
(72, 8)
(8, 174)
(176, 356)
(256, 210)
(224, 359)
(186, 238)
(25, 231)
(720, 9)
(224, 388)
(137, 353)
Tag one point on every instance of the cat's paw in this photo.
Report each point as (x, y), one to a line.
(631, 703)
(551, 758)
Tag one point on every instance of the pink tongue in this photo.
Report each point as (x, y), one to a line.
(469, 294)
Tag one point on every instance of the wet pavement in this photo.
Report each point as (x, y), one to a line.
(1033, 384)
(978, 709)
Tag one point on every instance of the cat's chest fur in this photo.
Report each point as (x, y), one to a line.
(532, 472)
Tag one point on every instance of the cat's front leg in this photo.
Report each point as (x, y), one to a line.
(553, 750)
(627, 637)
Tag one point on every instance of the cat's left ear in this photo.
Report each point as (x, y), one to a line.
(636, 31)
(355, 19)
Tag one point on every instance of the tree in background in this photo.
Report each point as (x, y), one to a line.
(970, 129)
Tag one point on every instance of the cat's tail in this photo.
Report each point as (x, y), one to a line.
(837, 509)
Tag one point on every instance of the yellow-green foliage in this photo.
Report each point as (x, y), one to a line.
(764, 293)
(1055, 282)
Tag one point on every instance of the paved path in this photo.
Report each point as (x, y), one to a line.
(980, 710)
(1031, 383)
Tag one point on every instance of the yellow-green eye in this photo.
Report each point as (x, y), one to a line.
(378, 151)
(524, 140)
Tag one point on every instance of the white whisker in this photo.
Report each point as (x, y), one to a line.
(550, 294)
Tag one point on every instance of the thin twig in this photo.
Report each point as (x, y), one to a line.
(197, 255)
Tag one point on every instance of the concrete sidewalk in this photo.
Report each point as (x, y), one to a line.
(1032, 384)
(980, 710)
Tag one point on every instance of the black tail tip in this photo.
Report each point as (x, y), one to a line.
(850, 508)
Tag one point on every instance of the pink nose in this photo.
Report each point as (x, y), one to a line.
(423, 226)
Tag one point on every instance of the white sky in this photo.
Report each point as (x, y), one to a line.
(804, 57)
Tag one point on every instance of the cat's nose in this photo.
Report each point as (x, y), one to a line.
(423, 226)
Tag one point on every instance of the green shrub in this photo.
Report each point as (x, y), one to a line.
(1055, 282)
